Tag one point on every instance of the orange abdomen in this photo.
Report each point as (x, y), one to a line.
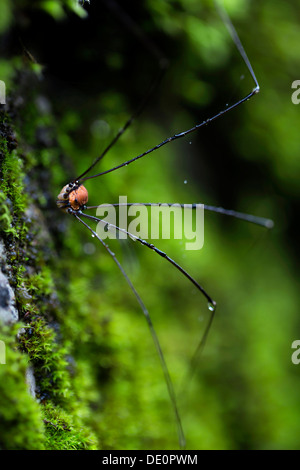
(75, 199)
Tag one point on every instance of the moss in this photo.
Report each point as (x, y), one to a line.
(5, 215)
(48, 359)
(56, 417)
(12, 196)
(13, 184)
(21, 425)
(62, 433)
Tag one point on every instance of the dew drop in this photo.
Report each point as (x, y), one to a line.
(93, 235)
(185, 182)
(211, 306)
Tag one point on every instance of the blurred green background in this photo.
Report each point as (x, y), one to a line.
(244, 393)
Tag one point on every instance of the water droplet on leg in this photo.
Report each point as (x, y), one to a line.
(211, 306)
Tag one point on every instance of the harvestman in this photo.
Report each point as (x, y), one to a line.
(74, 196)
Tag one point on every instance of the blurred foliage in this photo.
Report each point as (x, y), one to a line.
(244, 393)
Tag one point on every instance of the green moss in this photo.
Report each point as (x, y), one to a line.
(6, 219)
(84, 336)
(56, 417)
(63, 433)
(21, 425)
(13, 182)
(12, 195)
(48, 360)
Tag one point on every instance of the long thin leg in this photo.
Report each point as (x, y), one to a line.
(125, 127)
(232, 31)
(172, 138)
(152, 330)
(241, 50)
(266, 223)
(162, 62)
(212, 303)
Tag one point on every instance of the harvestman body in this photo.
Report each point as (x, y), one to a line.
(74, 197)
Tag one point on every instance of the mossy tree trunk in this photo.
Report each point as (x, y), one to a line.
(38, 407)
